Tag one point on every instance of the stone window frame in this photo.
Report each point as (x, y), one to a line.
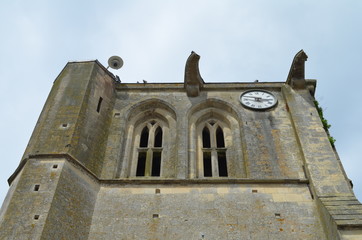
(213, 149)
(230, 121)
(151, 150)
(136, 117)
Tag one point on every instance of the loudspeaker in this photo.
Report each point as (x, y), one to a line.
(115, 62)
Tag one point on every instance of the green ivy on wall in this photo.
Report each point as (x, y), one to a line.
(325, 123)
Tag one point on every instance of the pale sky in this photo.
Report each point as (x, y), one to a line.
(238, 41)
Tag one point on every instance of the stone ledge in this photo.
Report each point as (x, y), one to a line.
(346, 211)
(202, 181)
(151, 180)
(206, 87)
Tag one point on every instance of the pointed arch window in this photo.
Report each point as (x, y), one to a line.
(206, 138)
(149, 158)
(158, 137)
(213, 151)
(144, 137)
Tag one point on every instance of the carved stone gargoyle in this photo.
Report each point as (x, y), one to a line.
(193, 81)
(296, 78)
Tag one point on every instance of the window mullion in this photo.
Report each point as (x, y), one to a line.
(214, 163)
(148, 163)
(151, 137)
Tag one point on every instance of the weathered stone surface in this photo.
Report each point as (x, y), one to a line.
(216, 212)
(80, 177)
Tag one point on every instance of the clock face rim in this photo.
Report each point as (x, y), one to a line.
(255, 108)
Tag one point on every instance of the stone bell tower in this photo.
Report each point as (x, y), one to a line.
(191, 160)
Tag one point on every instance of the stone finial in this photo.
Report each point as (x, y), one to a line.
(296, 78)
(193, 80)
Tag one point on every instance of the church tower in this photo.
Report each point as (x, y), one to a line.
(192, 160)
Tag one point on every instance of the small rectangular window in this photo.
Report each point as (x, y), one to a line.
(36, 187)
(207, 164)
(99, 104)
(156, 164)
(141, 164)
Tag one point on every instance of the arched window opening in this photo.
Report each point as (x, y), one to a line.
(144, 138)
(158, 137)
(214, 162)
(206, 143)
(149, 160)
(207, 164)
(220, 143)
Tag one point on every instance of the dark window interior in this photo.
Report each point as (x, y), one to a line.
(141, 164)
(158, 137)
(221, 157)
(99, 104)
(220, 143)
(156, 164)
(144, 137)
(206, 138)
(207, 164)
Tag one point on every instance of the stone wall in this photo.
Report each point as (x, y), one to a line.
(77, 178)
(207, 211)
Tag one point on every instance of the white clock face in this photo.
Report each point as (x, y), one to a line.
(258, 99)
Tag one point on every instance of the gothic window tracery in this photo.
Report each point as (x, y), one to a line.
(148, 147)
(215, 142)
(213, 150)
(150, 150)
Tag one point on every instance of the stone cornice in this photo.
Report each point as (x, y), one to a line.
(152, 180)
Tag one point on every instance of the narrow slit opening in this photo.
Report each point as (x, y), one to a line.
(36, 187)
(99, 104)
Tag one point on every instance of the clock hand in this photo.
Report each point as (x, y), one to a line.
(258, 98)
